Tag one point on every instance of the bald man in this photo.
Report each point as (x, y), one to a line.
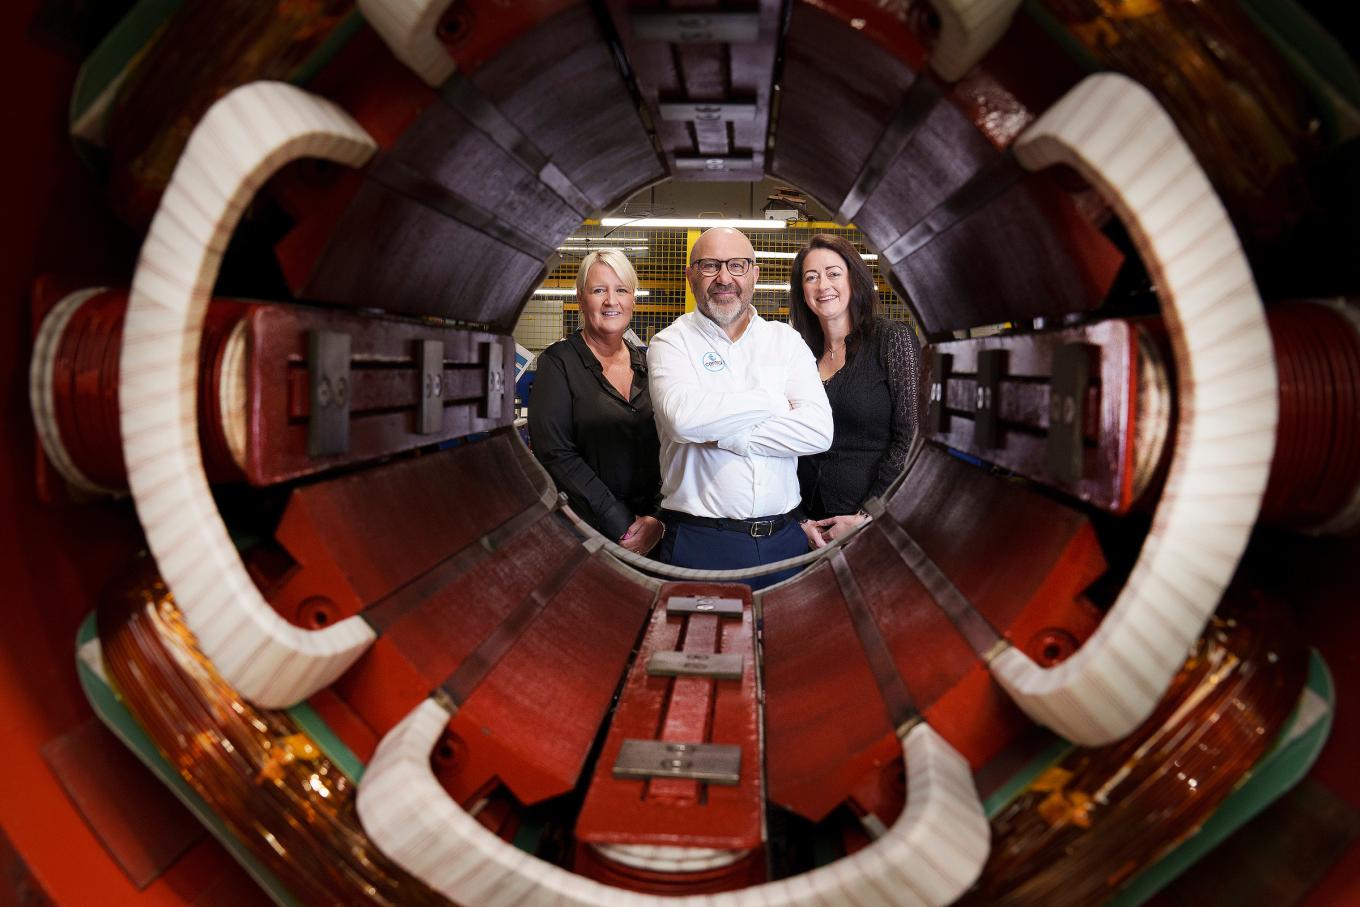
(737, 400)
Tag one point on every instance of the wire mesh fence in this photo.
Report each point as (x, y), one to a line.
(660, 256)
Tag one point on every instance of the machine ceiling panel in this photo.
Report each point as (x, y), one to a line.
(936, 158)
(705, 76)
(898, 156)
(1014, 258)
(560, 84)
(830, 117)
(459, 217)
(448, 148)
(393, 253)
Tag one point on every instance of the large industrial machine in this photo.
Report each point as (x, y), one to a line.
(297, 616)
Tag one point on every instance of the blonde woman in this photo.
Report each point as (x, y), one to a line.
(590, 413)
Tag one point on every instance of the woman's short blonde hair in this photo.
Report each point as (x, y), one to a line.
(616, 260)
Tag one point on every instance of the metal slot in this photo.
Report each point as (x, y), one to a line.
(695, 664)
(716, 763)
(940, 366)
(328, 355)
(1065, 452)
(920, 100)
(704, 604)
(991, 365)
(430, 374)
(697, 27)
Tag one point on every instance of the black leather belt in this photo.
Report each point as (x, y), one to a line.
(759, 528)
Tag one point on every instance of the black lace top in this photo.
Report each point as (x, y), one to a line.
(873, 403)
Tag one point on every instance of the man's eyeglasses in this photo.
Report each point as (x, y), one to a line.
(709, 267)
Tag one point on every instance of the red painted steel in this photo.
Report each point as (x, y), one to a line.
(682, 812)
(476, 31)
(385, 388)
(826, 727)
(530, 723)
(384, 380)
(357, 539)
(1022, 407)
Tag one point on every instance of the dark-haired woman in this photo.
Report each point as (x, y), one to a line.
(870, 367)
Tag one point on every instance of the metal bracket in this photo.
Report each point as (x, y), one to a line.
(493, 404)
(707, 111)
(725, 666)
(1067, 385)
(940, 366)
(991, 365)
(716, 763)
(430, 396)
(714, 162)
(704, 604)
(328, 354)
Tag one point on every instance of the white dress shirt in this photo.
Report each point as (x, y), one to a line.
(734, 416)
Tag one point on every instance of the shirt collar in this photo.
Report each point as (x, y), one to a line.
(713, 330)
(638, 355)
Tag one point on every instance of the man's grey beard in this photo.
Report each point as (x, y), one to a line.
(722, 318)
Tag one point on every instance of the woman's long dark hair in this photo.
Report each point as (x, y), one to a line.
(863, 296)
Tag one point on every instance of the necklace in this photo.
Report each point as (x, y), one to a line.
(831, 351)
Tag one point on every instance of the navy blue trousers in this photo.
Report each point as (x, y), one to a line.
(706, 548)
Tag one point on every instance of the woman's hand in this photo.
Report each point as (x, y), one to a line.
(643, 534)
(837, 526)
(812, 529)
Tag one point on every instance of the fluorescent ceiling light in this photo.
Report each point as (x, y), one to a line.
(602, 248)
(693, 222)
(781, 287)
(568, 291)
(606, 239)
(867, 256)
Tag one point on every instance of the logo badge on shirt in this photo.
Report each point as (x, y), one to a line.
(713, 362)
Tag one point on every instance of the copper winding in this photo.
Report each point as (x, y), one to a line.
(1088, 824)
(1315, 479)
(267, 781)
(85, 388)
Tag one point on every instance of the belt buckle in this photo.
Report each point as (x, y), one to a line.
(761, 528)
